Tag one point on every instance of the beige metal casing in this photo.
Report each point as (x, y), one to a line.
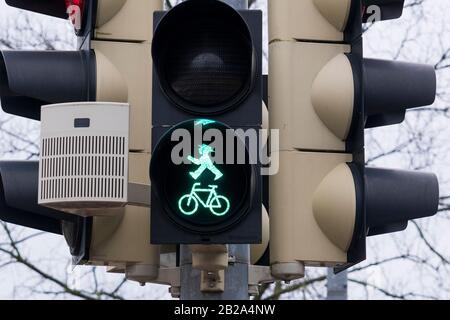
(265, 117)
(118, 269)
(83, 169)
(311, 86)
(334, 206)
(211, 260)
(126, 20)
(209, 257)
(130, 66)
(319, 20)
(124, 241)
(258, 250)
(122, 45)
(333, 96)
(300, 201)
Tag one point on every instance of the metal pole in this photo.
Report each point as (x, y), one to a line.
(236, 275)
(337, 285)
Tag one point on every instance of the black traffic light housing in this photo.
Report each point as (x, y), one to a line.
(417, 192)
(18, 198)
(54, 8)
(188, 83)
(207, 65)
(384, 91)
(389, 9)
(61, 9)
(28, 80)
(18, 205)
(392, 87)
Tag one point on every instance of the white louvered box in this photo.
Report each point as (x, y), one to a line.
(83, 166)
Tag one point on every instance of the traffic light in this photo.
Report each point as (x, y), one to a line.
(207, 89)
(18, 198)
(54, 8)
(30, 79)
(113, 64)
(81, 89)
(322, 95)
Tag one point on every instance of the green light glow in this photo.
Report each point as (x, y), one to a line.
(204, 122)
(204, 163)
(217, 204)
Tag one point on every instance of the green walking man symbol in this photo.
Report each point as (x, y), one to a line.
(205, 163)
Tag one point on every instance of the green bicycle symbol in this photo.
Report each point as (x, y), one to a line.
(189, 203)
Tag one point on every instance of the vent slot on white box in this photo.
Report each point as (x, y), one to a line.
(83, 167)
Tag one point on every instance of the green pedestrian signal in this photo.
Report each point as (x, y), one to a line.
(204, 162)
(207, 74)
(202, 188)
(217, 204)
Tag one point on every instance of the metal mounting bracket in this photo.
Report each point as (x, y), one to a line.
(212, 281)
(139, 195)
(258, 275)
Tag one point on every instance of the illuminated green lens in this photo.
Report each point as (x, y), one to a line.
(217, 204)
(202, 192)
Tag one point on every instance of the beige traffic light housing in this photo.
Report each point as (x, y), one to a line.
(126, 20)
(124, 74)
(122, 46)
(326, 20)
(311, 89)
(313, 197)
(257, 250)
(124, 240)
(313, 209)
